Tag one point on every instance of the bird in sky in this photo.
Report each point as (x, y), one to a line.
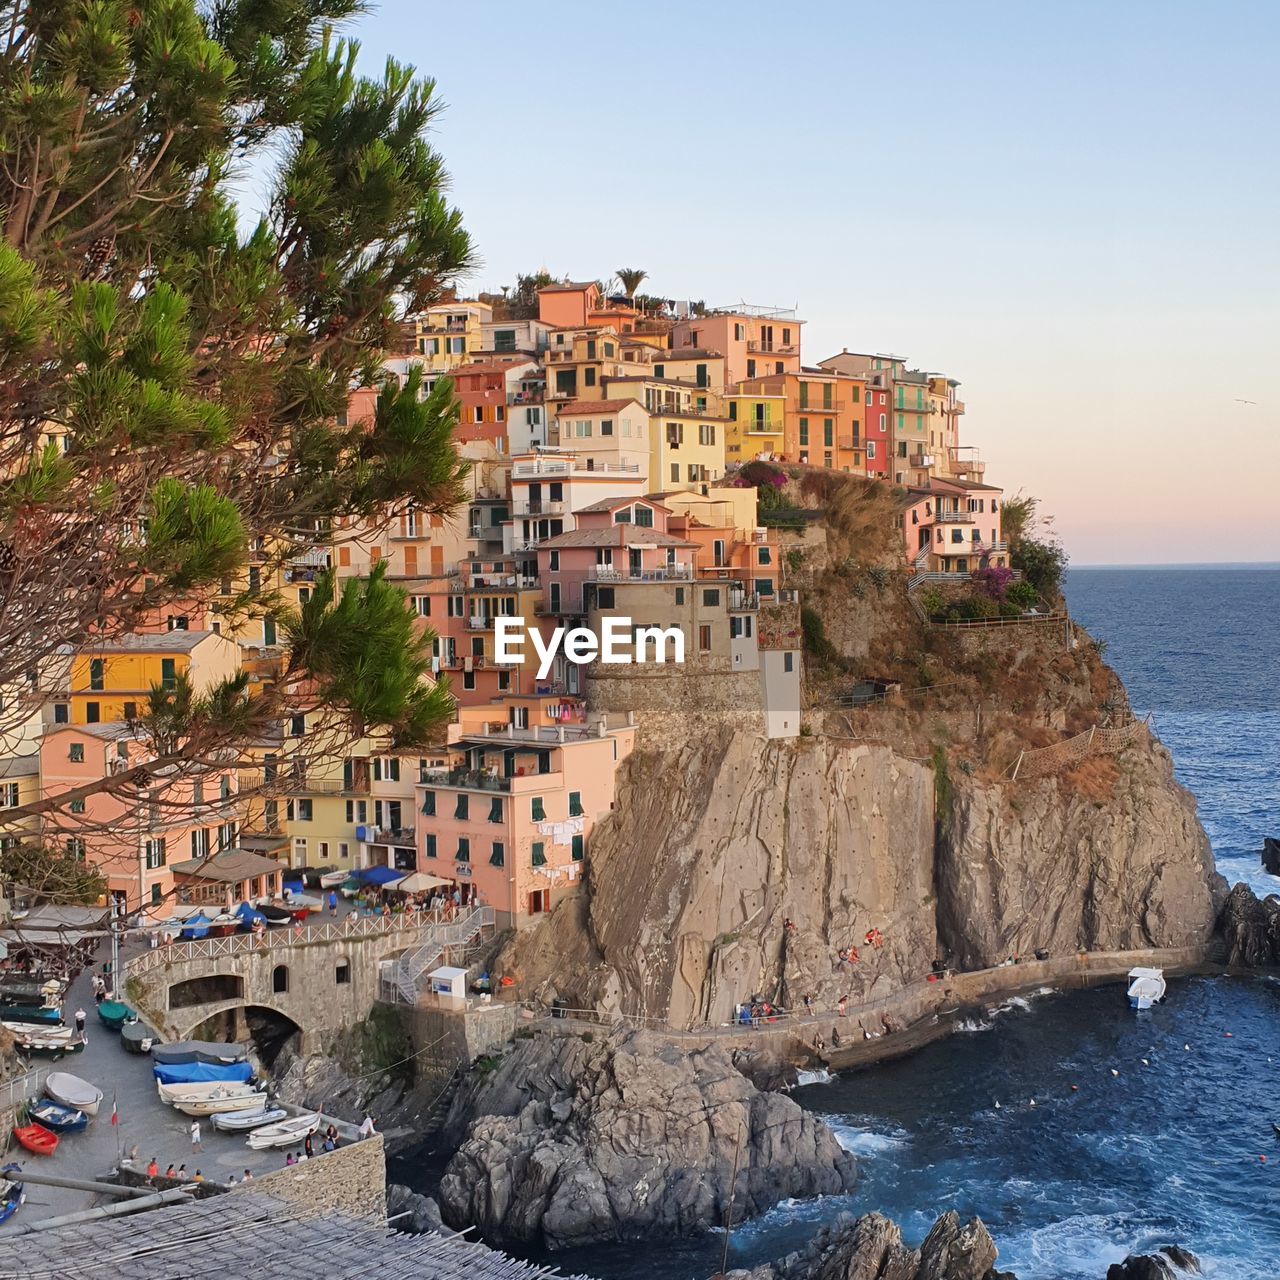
(1239, 401)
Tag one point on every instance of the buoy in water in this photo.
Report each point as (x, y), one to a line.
(1075, 1088)
(1187, 1047)
(1226, 1035)
(997, 1104)
(1033, 1102)
(1146, 1062)
(1114, 1072)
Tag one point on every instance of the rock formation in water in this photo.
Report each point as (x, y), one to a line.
(1169, 1263)
(1271, 856)
(871, 1248)
(569, 1140)
(1251, 929)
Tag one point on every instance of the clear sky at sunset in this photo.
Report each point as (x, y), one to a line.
(1073, 208)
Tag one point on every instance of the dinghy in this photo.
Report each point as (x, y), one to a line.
(12, 1193)
(284, 1133)
(37, 1039)
(176, 1093)
(49, 1014)
(73, 1092)
(57, 1118)
(138, 1037)
(1146, 987)
(244, 1121)
(20, 1029)
(182, 1052)
(221, 1101)
(202, 1072)
(37, 1139)
(114, 1014)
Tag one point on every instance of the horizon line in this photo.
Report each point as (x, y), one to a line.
(1182, 564)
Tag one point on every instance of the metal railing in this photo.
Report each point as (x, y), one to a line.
(19, 1089)
(953, 517)
(665, 573)
(755, 345)
(413, 965)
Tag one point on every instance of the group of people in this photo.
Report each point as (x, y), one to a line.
(308, 1151)
(180, 1174)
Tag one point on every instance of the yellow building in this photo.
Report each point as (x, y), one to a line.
(687, 447)
(704, 369)
(578, 361)
(112, 680)
(756, 425)
(450, 333)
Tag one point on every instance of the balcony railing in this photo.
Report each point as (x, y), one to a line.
(566, 467)
(773, 348)
(663, 573)
(741, 601)
(922, 459)
(827, 406)
(683, 410)
(763, 427)
(850, 443)
(481, 622)
(954, 517)
(393, 835)
(538, 508)
(466, 779)
(286, 783)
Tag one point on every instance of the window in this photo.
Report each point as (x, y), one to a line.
(169, 673)
(675, 473)
(788, 662)
(605, 598)
(75, 848)
(61, 713)
(706, 433)
(77, 806)
(297, 726)
(495, 809)
(498, 855)
(575, 804)
(588, 377)
(606, 426)
(578, 848)
(711, 597)
(679, 595)
(155, 854)
(539, 857)
(92, 712)
(304, 810)
(280, 979)
(643, 517)
(536, 811)
(469, 680)
(828, 433)
(9, 795)
(463, 808)
(871, 450)
(429, 847)
(429, 804)
(464, 849)
(157, 894)
(804, 433)
(130, 710)
(75, 753)
(704, 639)
(96, 668)
(342, 973)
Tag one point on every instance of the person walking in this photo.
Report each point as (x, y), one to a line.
(307, 1147)
(153, 1167)
(366, 1128)
(195, 1136)
(170, 1172)
(80, 1022)
(333, 903)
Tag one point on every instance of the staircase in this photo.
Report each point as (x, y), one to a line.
(414, 965)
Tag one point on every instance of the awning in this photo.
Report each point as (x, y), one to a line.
(420, 882)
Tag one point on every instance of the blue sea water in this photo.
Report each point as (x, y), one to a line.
(1163, 1135)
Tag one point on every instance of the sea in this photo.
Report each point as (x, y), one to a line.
(1078, 1130)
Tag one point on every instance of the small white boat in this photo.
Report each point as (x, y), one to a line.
(201, 1091)
(332, 879)
(282, 1134)
(19, 1030)
(243, 1121)
(73, 1092)
(1146, 987)
(222, 1102)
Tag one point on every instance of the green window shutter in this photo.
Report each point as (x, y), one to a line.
(429, 804)
(579, 851)
(464, 849)
(498, 856)
(538, 813)
(575, 804)
(495, 809)
(539, 856)
(430, 848)
(462, 809)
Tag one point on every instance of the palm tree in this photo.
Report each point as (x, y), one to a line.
(631, 278)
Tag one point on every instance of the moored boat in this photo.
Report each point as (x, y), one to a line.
(1146, 987)
(23, 990)
(20, 1029)
(273, 914)
(49, 1014)
(37, 1139)
(213, 1052)
(138, 1037)
(48, 1046)
(244, 1121)
(114, 1014)
(282, 1134)
(73, 1092)
(176, 1093)
(220, 1104)
(12, 1192)
(332, 878)
(57, 1118)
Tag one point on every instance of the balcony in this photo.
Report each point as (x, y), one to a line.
(664, 573)
(539, 508)
(683, 410)
(990, 548)
(853, 443)
(773, 348)
(914, 408)
(572, 466)
(922, 460)
(763, 427)
(447, 326)
(954, 517)
(743, 601)
(402, 836)
(482, 622)
(526, 397)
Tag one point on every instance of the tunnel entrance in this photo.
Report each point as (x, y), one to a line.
(271, 1033)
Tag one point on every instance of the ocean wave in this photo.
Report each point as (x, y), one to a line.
(821, 1076)
(974, 1024)
(865, 1141)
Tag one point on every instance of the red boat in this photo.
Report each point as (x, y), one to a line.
(37, 1139)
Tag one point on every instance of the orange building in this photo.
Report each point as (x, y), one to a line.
(753, 341)
(823, 416)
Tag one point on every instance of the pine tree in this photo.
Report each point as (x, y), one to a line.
(173, 386)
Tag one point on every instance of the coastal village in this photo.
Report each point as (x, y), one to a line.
(624, 455)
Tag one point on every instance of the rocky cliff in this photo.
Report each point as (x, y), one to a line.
(571, 1139)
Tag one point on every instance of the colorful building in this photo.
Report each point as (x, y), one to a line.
(450, 333)
(753, 341)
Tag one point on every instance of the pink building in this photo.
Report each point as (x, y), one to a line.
(754, 342)
(508, 821)
(133, 845)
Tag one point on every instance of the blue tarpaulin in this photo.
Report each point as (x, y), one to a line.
(249, 915)
(196, 926)
(377, 875)
(201, 1072)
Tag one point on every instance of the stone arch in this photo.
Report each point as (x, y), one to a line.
(267, 1028)
(206, 989)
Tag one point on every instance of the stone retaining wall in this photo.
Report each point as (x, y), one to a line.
(352, 1179)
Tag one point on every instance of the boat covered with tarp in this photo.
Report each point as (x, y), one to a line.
(73, 1092)
(202, 1072)
(184, 1051)
(175, 1093)
(12, 1191)
(114, 1014)
(138, 1036)
(245, 1121)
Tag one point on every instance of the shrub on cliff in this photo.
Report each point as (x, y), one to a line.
(1034, 546)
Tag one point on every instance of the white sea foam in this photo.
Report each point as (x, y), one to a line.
(821, 1076)
(865, 1142)
(974, 1024)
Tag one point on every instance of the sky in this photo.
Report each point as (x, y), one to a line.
(1071, 208)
